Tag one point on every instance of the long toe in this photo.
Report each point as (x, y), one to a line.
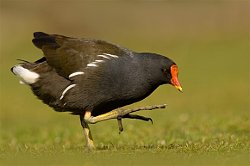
(139, 117)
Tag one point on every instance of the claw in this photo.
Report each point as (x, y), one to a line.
(151, 120)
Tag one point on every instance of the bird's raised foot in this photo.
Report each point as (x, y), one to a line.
(120, 112)
(115, 114)
(131, 116)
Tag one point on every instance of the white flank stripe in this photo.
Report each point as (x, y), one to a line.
(114, 56)
(76, 73)
(99, 61)
(103, 56)
(66, 89)
(27, 76)
(91, 65)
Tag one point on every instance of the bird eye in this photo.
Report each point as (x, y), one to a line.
(164, 70)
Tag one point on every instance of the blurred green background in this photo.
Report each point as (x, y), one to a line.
(208, 123)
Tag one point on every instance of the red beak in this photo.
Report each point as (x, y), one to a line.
(174, 81)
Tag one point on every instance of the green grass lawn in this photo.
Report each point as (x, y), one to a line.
(208, 124)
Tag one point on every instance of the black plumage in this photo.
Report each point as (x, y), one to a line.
(79, 75)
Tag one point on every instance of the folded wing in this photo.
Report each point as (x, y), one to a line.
(71, 55)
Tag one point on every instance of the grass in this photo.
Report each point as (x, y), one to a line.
(209, 124)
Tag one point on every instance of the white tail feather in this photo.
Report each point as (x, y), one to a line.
(27, 76)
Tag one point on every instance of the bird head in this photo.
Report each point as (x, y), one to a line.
(170, 72)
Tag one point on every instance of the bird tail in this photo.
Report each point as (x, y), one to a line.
(26, 75)
(27, 71)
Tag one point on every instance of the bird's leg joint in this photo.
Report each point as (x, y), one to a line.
(88, 118)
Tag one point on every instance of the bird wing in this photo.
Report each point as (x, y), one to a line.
(71, 56)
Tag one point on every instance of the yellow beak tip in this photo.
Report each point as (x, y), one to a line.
(179, 88)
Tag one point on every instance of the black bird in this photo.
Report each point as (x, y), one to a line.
(90, 78)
